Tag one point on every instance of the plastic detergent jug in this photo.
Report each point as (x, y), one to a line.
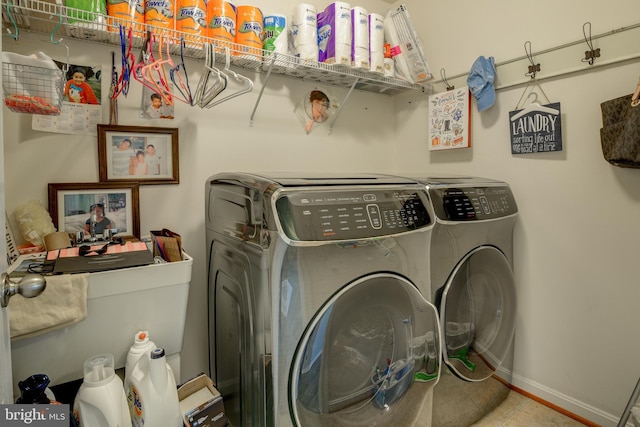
(141, 345)
(101, 401)
(152, 394)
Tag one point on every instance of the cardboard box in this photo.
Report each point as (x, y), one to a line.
(201, 404)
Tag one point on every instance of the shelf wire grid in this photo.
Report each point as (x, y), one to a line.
(43, 17)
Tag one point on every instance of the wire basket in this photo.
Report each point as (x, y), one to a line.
(31, 89)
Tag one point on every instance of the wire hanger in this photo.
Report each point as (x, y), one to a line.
(246, 82)
(533, 68)
(591, 54)
(444, 79)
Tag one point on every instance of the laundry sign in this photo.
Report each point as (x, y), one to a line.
(536, 129)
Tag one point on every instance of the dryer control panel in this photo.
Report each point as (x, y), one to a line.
(473, 203)
(351, 214)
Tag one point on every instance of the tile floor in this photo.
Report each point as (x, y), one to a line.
(518, 410)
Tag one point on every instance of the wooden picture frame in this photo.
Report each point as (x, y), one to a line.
(70, 205)
(149, 157)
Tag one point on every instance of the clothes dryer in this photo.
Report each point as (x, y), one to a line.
(318, 300)
(472, 285)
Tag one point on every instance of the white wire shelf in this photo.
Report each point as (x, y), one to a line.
(51, 17)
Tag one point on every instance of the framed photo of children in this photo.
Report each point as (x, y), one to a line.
(114, 205)
(146, 155)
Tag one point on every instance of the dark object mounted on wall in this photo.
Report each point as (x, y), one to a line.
(620, 132)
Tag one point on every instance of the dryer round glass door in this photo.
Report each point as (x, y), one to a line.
(477, 314)
(370, 355)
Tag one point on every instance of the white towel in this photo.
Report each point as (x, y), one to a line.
(63, 303)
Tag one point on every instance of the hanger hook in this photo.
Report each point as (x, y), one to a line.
(443, 75)
(15, 26)
(55, 29)
(591, 54)
(533, 68)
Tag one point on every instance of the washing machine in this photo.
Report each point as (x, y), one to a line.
(472, 285)
(318, 293)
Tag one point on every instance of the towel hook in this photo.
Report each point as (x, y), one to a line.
(15, 26)
(443, 75)
(591, 54)
(59, 41)
(533, 68)
(58, 25)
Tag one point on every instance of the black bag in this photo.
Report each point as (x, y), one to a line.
(620, 132)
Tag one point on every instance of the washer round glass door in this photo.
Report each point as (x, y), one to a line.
(356, 362)
(477, 314)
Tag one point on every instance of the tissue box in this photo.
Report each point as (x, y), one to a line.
(201, 404)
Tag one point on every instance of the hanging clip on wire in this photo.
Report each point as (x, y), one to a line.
(591, 54)
(533, 68)
(443, 75)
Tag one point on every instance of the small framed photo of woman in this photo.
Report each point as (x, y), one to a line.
(75, 206)
(146, 155)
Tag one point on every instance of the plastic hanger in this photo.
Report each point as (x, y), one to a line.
(246, 82)
(182, 84)
(212, 81)
(141, 67)
(113, 92)
(155, 73)
(128, 63)
(534, 106)
(530, 91)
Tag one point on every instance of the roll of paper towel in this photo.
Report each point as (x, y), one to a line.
(249, 26)
(376, 43)
(304, 32)
(276, 39)
(334, 34)
(360, 38)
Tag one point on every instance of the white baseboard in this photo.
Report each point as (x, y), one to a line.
(567, 403)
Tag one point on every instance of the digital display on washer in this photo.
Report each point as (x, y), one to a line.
(473, 203)
(350, 215)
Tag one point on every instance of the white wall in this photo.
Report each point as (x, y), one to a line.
(576, 235)
(576, 238)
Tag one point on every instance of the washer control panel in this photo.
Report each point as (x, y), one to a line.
(473, 203)
(351, 214)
